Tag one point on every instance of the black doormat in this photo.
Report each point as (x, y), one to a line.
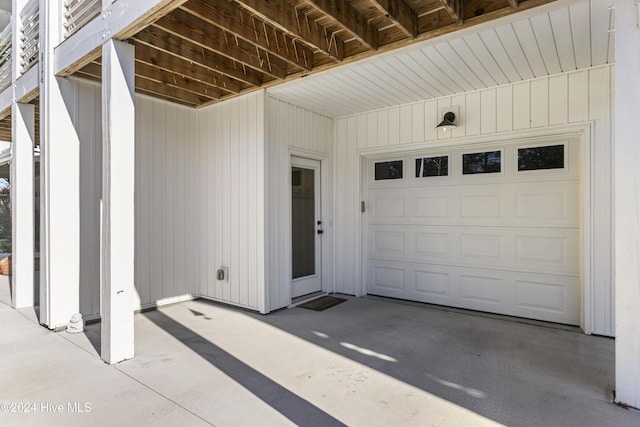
(322, 303)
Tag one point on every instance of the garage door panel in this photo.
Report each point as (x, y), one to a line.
(481, 206)
(432, 206)
(506, 242)
(434, 284)
(535, 296)
(554, 251)
(484, 291)
(387, 278)
(432, 245)
(546, 204)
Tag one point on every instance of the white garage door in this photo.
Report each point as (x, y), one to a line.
(494, 228)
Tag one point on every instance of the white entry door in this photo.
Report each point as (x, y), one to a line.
(306, 227)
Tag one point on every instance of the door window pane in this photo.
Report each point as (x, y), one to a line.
(485, 162)
(432, 166)
(303, 222)
(549, 157)
(388, 170)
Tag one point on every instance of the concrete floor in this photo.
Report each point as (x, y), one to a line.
(365, 362)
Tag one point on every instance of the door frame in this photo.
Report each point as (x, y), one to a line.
(326, 209)
(585, 133)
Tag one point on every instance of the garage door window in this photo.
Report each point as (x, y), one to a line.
(388, 170)
(432, 166)
(536, 158)
(485, 162)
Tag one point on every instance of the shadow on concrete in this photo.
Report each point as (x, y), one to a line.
(290, 405)
(93, 333)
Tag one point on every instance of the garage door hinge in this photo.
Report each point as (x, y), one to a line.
(362, 206)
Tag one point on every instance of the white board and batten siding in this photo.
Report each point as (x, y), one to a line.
(199, 199)
(294, 130)
(229, 199)
(525, 109)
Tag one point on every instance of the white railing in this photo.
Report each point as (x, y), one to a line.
(5, 58)
(77, 13)
(30, 35)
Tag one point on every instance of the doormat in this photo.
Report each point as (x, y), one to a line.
(322, 303)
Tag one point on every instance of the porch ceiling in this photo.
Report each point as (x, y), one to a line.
(203, 52)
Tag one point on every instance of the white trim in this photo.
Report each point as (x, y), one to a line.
(585, 132)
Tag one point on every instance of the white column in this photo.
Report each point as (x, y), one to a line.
(60, 185)
(118, 167)
(627, 202)
(22, 204)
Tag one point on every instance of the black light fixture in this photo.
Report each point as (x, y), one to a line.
(448, 121)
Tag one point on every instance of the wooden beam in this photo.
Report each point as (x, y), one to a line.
(350, 18)
(180, 82)
(189, 27)
(157, 39)
(454, 7)
(188, 69)
(514, 3)
(159, 88)
(290, 20)
(401, 14)
(162, 78)
(233, 19)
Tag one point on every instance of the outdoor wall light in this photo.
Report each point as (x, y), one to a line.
(448, 121)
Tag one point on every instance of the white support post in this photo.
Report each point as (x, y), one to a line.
(118, 178)
(60, 170)
(627, 203)
(22, 205)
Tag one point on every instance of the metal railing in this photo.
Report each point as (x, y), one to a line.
(77, 13)
(5, 58)
(30, 35)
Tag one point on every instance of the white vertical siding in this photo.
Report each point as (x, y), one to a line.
(164, 177)
(85, 109)
(292, 129)
(574, 97)
(229, 222)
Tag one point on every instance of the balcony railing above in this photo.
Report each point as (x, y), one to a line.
(77, 13)
(5, 58)
(30, 35)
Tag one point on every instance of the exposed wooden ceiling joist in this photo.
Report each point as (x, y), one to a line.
(401, 14)
(454, 7)
(348, 17)
(200, 52)
(296, 23)
(262, 33)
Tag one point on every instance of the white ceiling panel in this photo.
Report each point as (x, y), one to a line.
(559, 37)
(495, 45)
(480, 51)
(513, 47)
(546, 42)
(561, 26)
(581, 33)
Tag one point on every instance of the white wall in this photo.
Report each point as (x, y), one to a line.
(228, 194)
(294, 130)
(533, 106)
(166, 201)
